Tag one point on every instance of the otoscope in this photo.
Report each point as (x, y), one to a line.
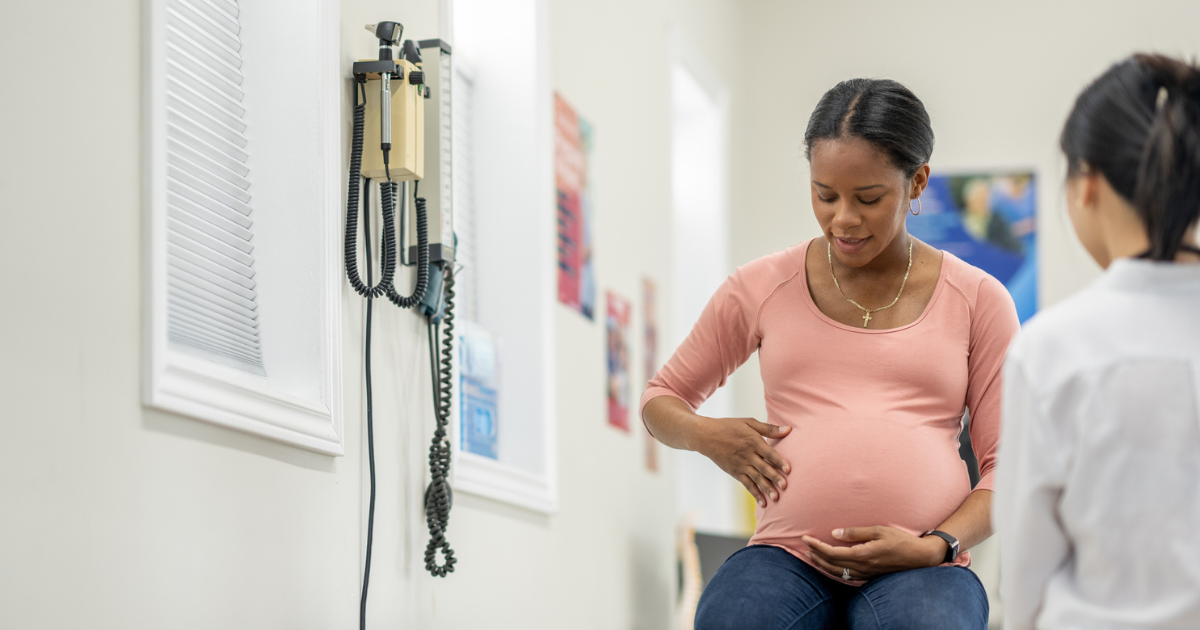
(389, 35)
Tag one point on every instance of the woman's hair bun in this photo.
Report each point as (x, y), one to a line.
(880, 111)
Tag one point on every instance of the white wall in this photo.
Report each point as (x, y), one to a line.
(700, 262)
(612, 61)
(119, 517)
(998, 81)
(114, 516)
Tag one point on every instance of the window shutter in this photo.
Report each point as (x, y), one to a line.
(212, 304)
(463, 136)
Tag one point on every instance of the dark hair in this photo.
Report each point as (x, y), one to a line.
(880, 111)
(1138, 124)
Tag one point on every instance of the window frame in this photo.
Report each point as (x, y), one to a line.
(475, 474)
(192, 386)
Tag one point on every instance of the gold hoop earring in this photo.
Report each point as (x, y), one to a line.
(919, 208)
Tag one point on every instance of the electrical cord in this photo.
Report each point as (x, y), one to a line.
(388, 192)
(387, 198)
(437, 504)
(438, 498)
(388, 270)
(362, 607)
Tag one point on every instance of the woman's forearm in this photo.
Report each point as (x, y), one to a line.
(971, 523)
(672, 422)
(736, 445)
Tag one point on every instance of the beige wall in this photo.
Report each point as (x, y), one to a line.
(115, 516)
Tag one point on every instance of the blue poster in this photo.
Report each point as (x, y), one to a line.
(989, 221)
(479, 403)
(478, 418)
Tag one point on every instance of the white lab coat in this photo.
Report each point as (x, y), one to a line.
(1098, 487)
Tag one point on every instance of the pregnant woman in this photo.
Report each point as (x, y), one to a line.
(871, 346)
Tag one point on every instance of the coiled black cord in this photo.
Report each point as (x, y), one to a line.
(437, 499)
(388, 270)
(388, 193)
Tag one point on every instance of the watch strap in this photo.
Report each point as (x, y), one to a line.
(951, 542)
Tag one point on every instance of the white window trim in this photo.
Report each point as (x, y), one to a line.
(489, 478)
(483, 476)
(187, 385)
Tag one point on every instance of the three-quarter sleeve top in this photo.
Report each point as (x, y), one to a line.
(875, 414)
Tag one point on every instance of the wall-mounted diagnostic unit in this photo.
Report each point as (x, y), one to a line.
(401, 140)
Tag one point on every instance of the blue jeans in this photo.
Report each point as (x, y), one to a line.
(767, 588)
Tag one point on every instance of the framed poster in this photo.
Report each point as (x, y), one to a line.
(617, 324)
(573, 139)
(479, 381)
(990, 221)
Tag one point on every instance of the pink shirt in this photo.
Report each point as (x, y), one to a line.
(875, 414)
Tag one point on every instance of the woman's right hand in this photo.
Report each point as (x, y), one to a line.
(738, 447)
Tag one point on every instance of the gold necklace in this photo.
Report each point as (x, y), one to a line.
(868, 311)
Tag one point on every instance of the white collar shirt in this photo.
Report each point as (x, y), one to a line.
(1098, 502)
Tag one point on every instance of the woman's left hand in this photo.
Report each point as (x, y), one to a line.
(876, 551)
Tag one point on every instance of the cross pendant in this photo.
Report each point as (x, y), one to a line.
(866, 319)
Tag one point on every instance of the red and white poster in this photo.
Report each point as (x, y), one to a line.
(650, 356)
(617, 324)
(572, 182)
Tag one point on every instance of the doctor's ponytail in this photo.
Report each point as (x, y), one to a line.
(1138, 124)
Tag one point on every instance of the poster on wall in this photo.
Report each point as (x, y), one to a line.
(617, 324)
(573, 142)
(479, 426)
(989, 220)
(650, 357)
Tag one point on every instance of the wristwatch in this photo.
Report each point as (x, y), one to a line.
(952, 549)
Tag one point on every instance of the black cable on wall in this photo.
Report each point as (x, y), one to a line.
(438, 498)
(362, 606)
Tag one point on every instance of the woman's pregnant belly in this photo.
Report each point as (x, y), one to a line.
(850, 472)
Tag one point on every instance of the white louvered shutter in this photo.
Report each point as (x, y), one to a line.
(462, 137)
(212, 304)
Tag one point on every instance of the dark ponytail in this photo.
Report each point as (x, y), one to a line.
(881, 111)
(1138, 124)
